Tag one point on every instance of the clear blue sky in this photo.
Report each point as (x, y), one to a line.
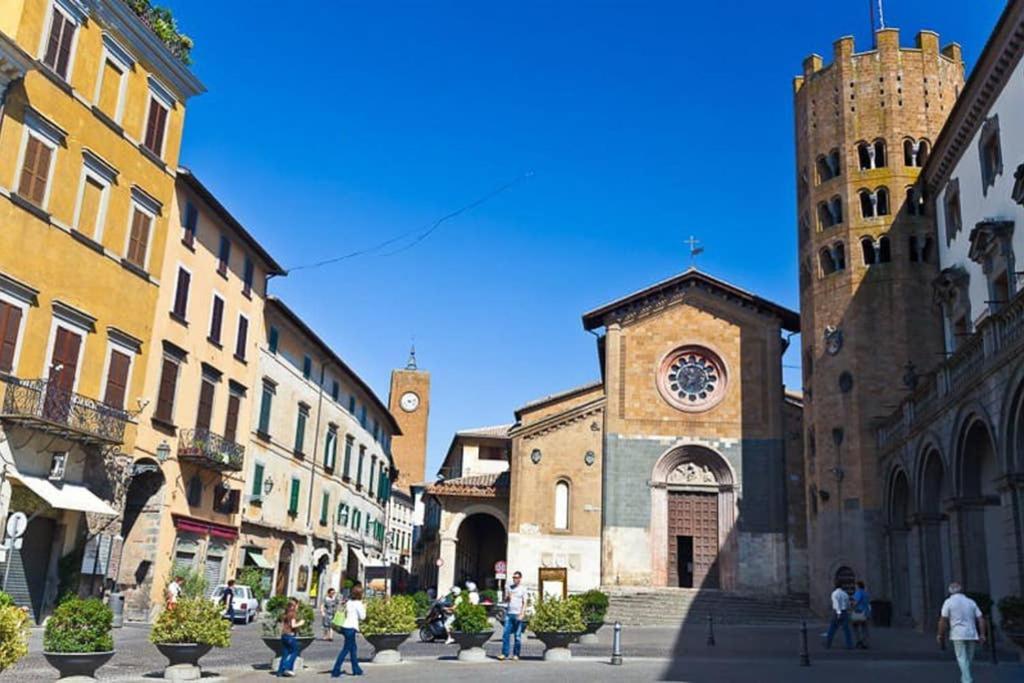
(331, 129)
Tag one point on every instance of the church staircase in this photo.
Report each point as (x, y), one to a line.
(678, 606)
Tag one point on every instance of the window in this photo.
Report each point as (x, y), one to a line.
(331, 447)
(362, 416)
(138, 236)
(110, 85)
(247, 276)
(300, 428)
(165, 397)
(205, 412)
(830, 213)
(216, 319)
(357, 516)
(352, 405)
(874, 204)
(951, 206)
(257, 481)
(194, 492)
(272, 339)
(180, 308)
(293, 498)
(223, 255)
(991, 153)
(359, 468)
(118, 365)
(920, 249)
(60, 42)
(347, 468)
(335, 391)
(35, 169)
(871, 155)
(373, 470)
(156, 124)
(562, 506)
(915, 153)
(839, 254)
(325, 506)
(342, 514)
(10, 327)
(231, 420)
(915, 202)
(242, 338)
(91, 210)
(828, 166)
(875, 252)
(832, 259)
(307, 366)
(190, 224)
(266, 401)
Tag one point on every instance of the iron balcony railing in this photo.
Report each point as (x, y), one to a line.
(45, 405)
(210, 450)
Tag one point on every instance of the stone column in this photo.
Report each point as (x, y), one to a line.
(933, 576)
(446, 572)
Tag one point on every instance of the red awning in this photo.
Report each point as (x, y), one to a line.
(199, 526)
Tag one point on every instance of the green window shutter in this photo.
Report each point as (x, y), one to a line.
(268, 398)
(373, 469)
(257, 481)
(348, 457)
(325, 504)
(293, 504)
(272, 343)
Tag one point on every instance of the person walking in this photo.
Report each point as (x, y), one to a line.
(840, 617)
(327, 609)
(861, 615)
(515, 595)
(227, 598)
(964, 624)
(355, 612)
(290, 625)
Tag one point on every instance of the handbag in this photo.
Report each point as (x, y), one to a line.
(338, 621)
(858, 618)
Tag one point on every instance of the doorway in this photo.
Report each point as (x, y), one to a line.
(693, 540)
(684, 560)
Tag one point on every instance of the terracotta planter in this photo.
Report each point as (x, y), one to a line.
(183, 653)
(70, 664)
(275, 644)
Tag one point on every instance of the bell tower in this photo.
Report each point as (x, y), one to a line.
(409, 402)
(865, 125)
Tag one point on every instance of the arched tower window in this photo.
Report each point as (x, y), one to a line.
(880, 160)
(828, 264)
(915, 153)
(871, 154)
(884, 250)
(874, 204)
(867, 246)
(562, 505)
(839, 255)
(915, 203)
(830, 213)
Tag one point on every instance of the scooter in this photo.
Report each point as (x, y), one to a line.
(433, 625)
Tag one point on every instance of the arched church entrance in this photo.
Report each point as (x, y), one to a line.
(692, 518)
(934, 533)
(481, 543)
(899, 545)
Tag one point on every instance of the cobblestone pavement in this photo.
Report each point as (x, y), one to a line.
(650, 653)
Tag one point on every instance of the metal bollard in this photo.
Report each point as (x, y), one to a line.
(711, 631)
(992, 640)
(805, 657)
(617, 644)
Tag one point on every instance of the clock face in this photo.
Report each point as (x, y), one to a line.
(409, 401)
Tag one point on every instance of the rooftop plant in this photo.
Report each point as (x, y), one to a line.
(79, 625)
(161, 22)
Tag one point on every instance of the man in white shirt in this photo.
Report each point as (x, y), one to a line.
(840, 617)
(515, 594)
(963, 621)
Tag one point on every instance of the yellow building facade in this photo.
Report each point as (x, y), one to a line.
(92, 113)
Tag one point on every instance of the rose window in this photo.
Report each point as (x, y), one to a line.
(692, 378)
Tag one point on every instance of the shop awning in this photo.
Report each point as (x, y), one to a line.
(64, 496)
(255, 555)
(200, 526)
(358, 552)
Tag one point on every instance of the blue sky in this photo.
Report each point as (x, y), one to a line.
(642, 122)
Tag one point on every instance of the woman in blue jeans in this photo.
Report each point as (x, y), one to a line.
(355, 612)
(290, 624)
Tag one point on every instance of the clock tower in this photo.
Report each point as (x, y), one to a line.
(409, 402)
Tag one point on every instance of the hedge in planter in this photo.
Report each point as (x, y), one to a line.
(558, 616)
(389, 616)
(79, 625)
(470, 618)
(594, 604)
(13, 632)
(423, 603)
(193, 620)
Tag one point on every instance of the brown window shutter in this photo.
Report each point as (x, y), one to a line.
(64, 52)
(181, 293)
(231, 425)
(34, 171)
(165, 398)
(10, 320)
(66, 346)
(117, 379)
(233, 499)
(139, 239)
(53, 45)
(217, 319)
(243, 337)
(205, 406)
(155, 125)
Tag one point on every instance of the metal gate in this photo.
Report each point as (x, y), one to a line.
(694, 515)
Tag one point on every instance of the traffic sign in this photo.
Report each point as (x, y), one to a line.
(500, 566)
(16, 524)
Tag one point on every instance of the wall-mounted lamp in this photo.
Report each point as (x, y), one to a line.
(163, 451)
(268, 486)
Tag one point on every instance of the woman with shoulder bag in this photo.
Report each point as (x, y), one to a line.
(354, 612)
(860, 615)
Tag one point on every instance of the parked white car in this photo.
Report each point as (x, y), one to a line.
(244, 603)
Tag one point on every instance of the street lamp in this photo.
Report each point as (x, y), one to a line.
(268, 486)
(163, 451)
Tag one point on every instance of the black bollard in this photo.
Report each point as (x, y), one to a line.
(711, 631)
(805, 657)
(617, 644)
(992, 640)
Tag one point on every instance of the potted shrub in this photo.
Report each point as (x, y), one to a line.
(187, 632)
(1011, 609)
(471, 630)
(422, 601)
(389, 621)
(557, 624)
(13, 632)
(271, 627)
(77, 640)
(594, 604)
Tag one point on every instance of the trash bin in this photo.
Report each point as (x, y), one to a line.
(881, 613)
(116, 602)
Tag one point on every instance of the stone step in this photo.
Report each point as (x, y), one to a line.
(673, 606)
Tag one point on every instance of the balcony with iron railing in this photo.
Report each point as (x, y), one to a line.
(212, 451)
(45, 405)
(998, 339)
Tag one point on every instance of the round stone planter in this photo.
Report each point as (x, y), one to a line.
(589, 636)
(556, 644)
(385, 647)
(183, 660)
(275, 645)
(471, 645)
(77, 666)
